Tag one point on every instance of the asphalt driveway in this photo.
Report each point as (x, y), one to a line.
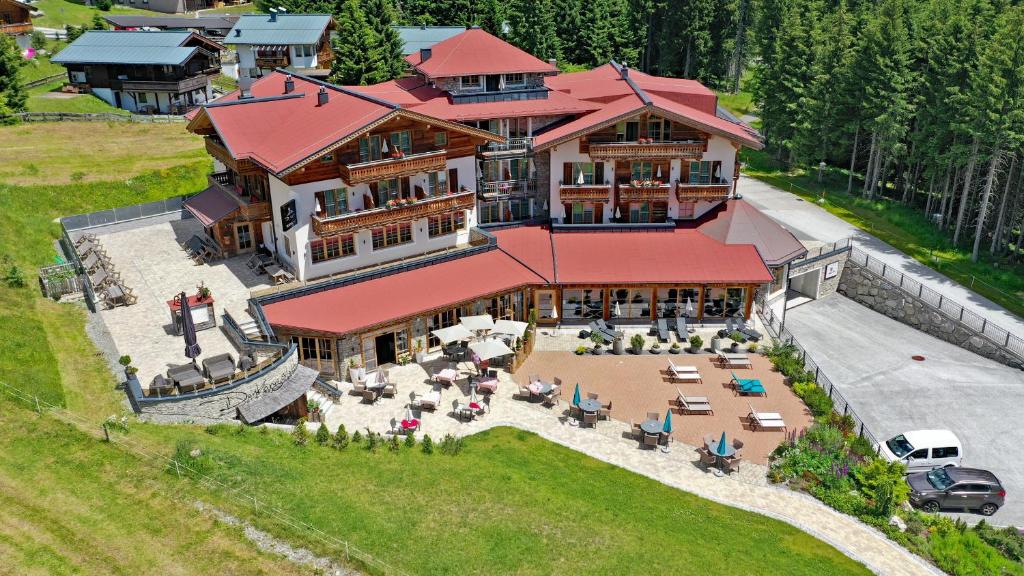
(868, 356)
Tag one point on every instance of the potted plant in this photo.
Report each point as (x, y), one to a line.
(355, 371)
(636, 343)
(581, 350)
(674, 348)
(656, 349)
(203, 292)
(752, 347)
(736, 338)
(420, 354)
(598, 349)
(695, 343)
(313, 407)
(126, 362)
(716, 343)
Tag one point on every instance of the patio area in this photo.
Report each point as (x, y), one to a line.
(152, 263)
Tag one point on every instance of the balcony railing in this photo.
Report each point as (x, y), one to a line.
(691, 149)
(644, 192)
(353, 221)
(512, 147)
(584, 192)
(184, 85)
(686, 192)
(506, 188)
(16, 28)
(385, 168)
(215, 148)
(251, 208)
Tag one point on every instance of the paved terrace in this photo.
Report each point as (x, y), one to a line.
(152, 263)
(679, 468)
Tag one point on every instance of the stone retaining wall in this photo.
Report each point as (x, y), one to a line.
(871, 290)
(826, 286)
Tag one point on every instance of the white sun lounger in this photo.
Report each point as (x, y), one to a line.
(693, 403)
(766, 420)
(689, 373)
(735, 360)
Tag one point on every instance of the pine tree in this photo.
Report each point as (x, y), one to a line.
(781, 83)
(490, 15)
(12, 94)
(569, 26)
(351, 46)
(386, 61)
(597, 33)
(532, 28)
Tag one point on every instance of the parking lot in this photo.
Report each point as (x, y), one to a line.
(868, 356)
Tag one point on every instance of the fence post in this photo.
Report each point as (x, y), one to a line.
(1007, 344)
(984, 322)
(106, 433)
(883, 270)
(920, 290)
(817, 370)
(961, 313)
(940, 303)
(346, 552)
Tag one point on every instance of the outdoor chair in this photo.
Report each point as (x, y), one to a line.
(592, 395)
(94, 261)
(219, 367)
(523, 393)
(663, 333)
(738, 445)
(707, 458)
(186, 376)
(635, 430)
(687, 373)
(653, 415)
(765, 420)
(590, 420)
(551, 398)
(734, 360)
(534, 378)
(84, 238)
(369, 395)
(101, 278)
(708, 439)
(747, 385)
(358, 388)
(605, 413)
(692, 404)
(732, 464)
(390, 390)
(575, 412)
(557, 382)
(129, 296)
(652, 440)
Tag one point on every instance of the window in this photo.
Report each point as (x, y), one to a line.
(470, 82)
(512, 80)
(922, 453)
(951, 452)
(437, 183)
(316, 353)
(658, 129)
(584, 303)
(630, 303)
(546, 305)
(387, 190)
(305, 51)
(700, 172)
(401, 141)
(687, 209)
(735, 301)
(440, 139)
(489, 212)
(582, 213)
(627, 131)
(446, 223)
(142, 98)
(641, 170)
(392, 235)
(331, 248)
(584, 169)
(333, 202)
(327, 158)
(639, 212)
(369, 148)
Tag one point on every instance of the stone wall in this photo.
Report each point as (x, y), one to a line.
(871, 290)
(542, 163)
(828, 286)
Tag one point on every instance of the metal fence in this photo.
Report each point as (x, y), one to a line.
(839, 403)
(238, 492)
(821, 251)
(123, 214)
(999, 336)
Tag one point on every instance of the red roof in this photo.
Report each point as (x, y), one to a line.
(476, 52)
(623, 107)
(348, 308)
(278, 130)
(678, 257)
(737, 222)
(531, 247)
(556, 104)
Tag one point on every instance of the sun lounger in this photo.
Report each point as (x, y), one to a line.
(663, 334)
(766, 420)
(735, 360)
(93, 262)
(186, 376)
(681, 329)
(688, 373)
(747, 385)
(690, 404)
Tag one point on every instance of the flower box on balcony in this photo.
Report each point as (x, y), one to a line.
(408, 209)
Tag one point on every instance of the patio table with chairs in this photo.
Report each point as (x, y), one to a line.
(590, 405)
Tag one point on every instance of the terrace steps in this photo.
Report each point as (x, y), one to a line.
(326, 404)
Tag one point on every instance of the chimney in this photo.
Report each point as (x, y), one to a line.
(238, 32)
(624, 71)
(244, 85)
(289, 84)
(273, 15)
(553, 62)
(321, 96)
(425, 54)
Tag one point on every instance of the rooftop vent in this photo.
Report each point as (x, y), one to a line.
(273, 14)
(321, 96)
(553, 62)
(238, 32)
(289, 84)
(425, 54)
(624, 71)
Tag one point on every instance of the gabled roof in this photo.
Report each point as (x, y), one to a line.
(477, 52)
(271, 399)
(286, 29)
(221, 22)
(737, 222)
(283, 132)
(130, 47)
(20, 4)
(416, 37)
(211, 205)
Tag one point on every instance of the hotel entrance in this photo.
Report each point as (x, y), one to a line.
(384, 347)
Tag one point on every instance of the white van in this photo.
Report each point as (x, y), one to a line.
(922, 450)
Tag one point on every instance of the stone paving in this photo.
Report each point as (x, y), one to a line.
(678, 468)
(151, 262)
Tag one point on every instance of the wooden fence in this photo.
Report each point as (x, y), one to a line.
(59, 279)
(93, 117)
(46, 80)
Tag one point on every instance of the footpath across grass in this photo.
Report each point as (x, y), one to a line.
(905, 228)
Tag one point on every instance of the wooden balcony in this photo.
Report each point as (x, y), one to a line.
(686, 192)
(585, 192)
(688, 149)
(386, 168)
(353, 221)
(16, 28)
(644, 192)
(170, 85)
(216, 149)
(249, 208)
(512, 148)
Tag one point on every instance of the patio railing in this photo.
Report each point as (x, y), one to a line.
(839, 403)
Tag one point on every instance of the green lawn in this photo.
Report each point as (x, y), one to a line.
(60, 13)
(40, 66)
(907, 229)
(41, 99)
(239, 9)
(740, 103)
(72, 505)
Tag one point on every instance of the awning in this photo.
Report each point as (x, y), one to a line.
(211, 205)
(452, 333)
(293, 387)
(478, 323)
(510, 327)
(487, 349)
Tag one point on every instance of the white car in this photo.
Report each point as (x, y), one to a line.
(923, 450)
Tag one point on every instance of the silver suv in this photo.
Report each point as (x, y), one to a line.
(956, 489)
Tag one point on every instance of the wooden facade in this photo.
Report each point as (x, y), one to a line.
(694, 192)
(415, 209)
(15, 18)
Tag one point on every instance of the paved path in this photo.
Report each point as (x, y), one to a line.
(748, 490)
(811, 223)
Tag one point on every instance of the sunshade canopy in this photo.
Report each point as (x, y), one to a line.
(510, 327)
(452, 333)
(491, 348)
(481, 322)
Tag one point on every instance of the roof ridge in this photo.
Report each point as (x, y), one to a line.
(219, 104)
(341, 89)
(632, 84)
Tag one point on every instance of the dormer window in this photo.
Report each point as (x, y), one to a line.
(469, 82)
(514, 80)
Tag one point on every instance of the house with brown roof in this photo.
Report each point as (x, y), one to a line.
(16, 21)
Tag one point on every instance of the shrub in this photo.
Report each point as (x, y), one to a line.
(372, 441)
(752, 347)
(581, 350)
(1009, 541)
(596, 338)
(451, 445)
(636, 342)
(301, 434)
(322, 435)
(357, 437)
(341, 438)
(410, 440)
(844, 422)
(883, 484)
(861, 446)
(125, 360)
(393, 445)
(427, 444)
(737, 336)
(13, 276)
(696, 342)
(38, 40)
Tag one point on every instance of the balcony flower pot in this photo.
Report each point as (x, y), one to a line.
(656, 349)
(618, 348)
(597, 350)
(674, 349)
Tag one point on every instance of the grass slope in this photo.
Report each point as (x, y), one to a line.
(511, 502)
(70, 504)
(905, 228)
(60, 13)
(41, 99)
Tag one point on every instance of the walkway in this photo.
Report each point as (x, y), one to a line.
(607, 442)
(811, 223)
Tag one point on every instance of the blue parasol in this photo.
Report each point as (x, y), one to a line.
(667, 428)
(721, 448)
(576, 395)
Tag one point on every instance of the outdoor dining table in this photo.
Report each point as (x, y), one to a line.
(590, 405)
(375, 380)
(449, 375)
(541, 387)
(651, 426)
(728, 452)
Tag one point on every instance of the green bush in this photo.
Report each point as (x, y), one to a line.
(410, 440)
(427, 444)
(861, 446)
(341, 438)
(818, 402)
(737, 336)
(323, 437)
(393, 445)
(636, 342)
(373, 441)
(451, 445)
(696, 342)
(581, 350)
(300, 435)
(596, 338)
(357, 437)
(883, 484)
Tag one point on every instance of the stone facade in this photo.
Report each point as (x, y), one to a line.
(829, 286)
(871, 290)
(542, 164)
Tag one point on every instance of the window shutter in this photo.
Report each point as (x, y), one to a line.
(567, 173)
(599, 173)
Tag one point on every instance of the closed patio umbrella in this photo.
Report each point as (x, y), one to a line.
(511, 327)
(576, 395)
(580, 179)
(722, 449)
(618, 213)
(384, 146)
(188, 329)
(667, 428)
(478, 323)
(452, 333)
(689, 306)
(490, 348)
(617, 311)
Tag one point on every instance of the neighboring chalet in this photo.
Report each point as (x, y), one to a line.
(16, 21)
(213, 27)
(485, 183)
(298, 42)
(175, 6)
(416, 38)
(149, 72)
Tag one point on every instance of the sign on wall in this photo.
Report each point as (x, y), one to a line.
(289, 215)
(831, 270)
